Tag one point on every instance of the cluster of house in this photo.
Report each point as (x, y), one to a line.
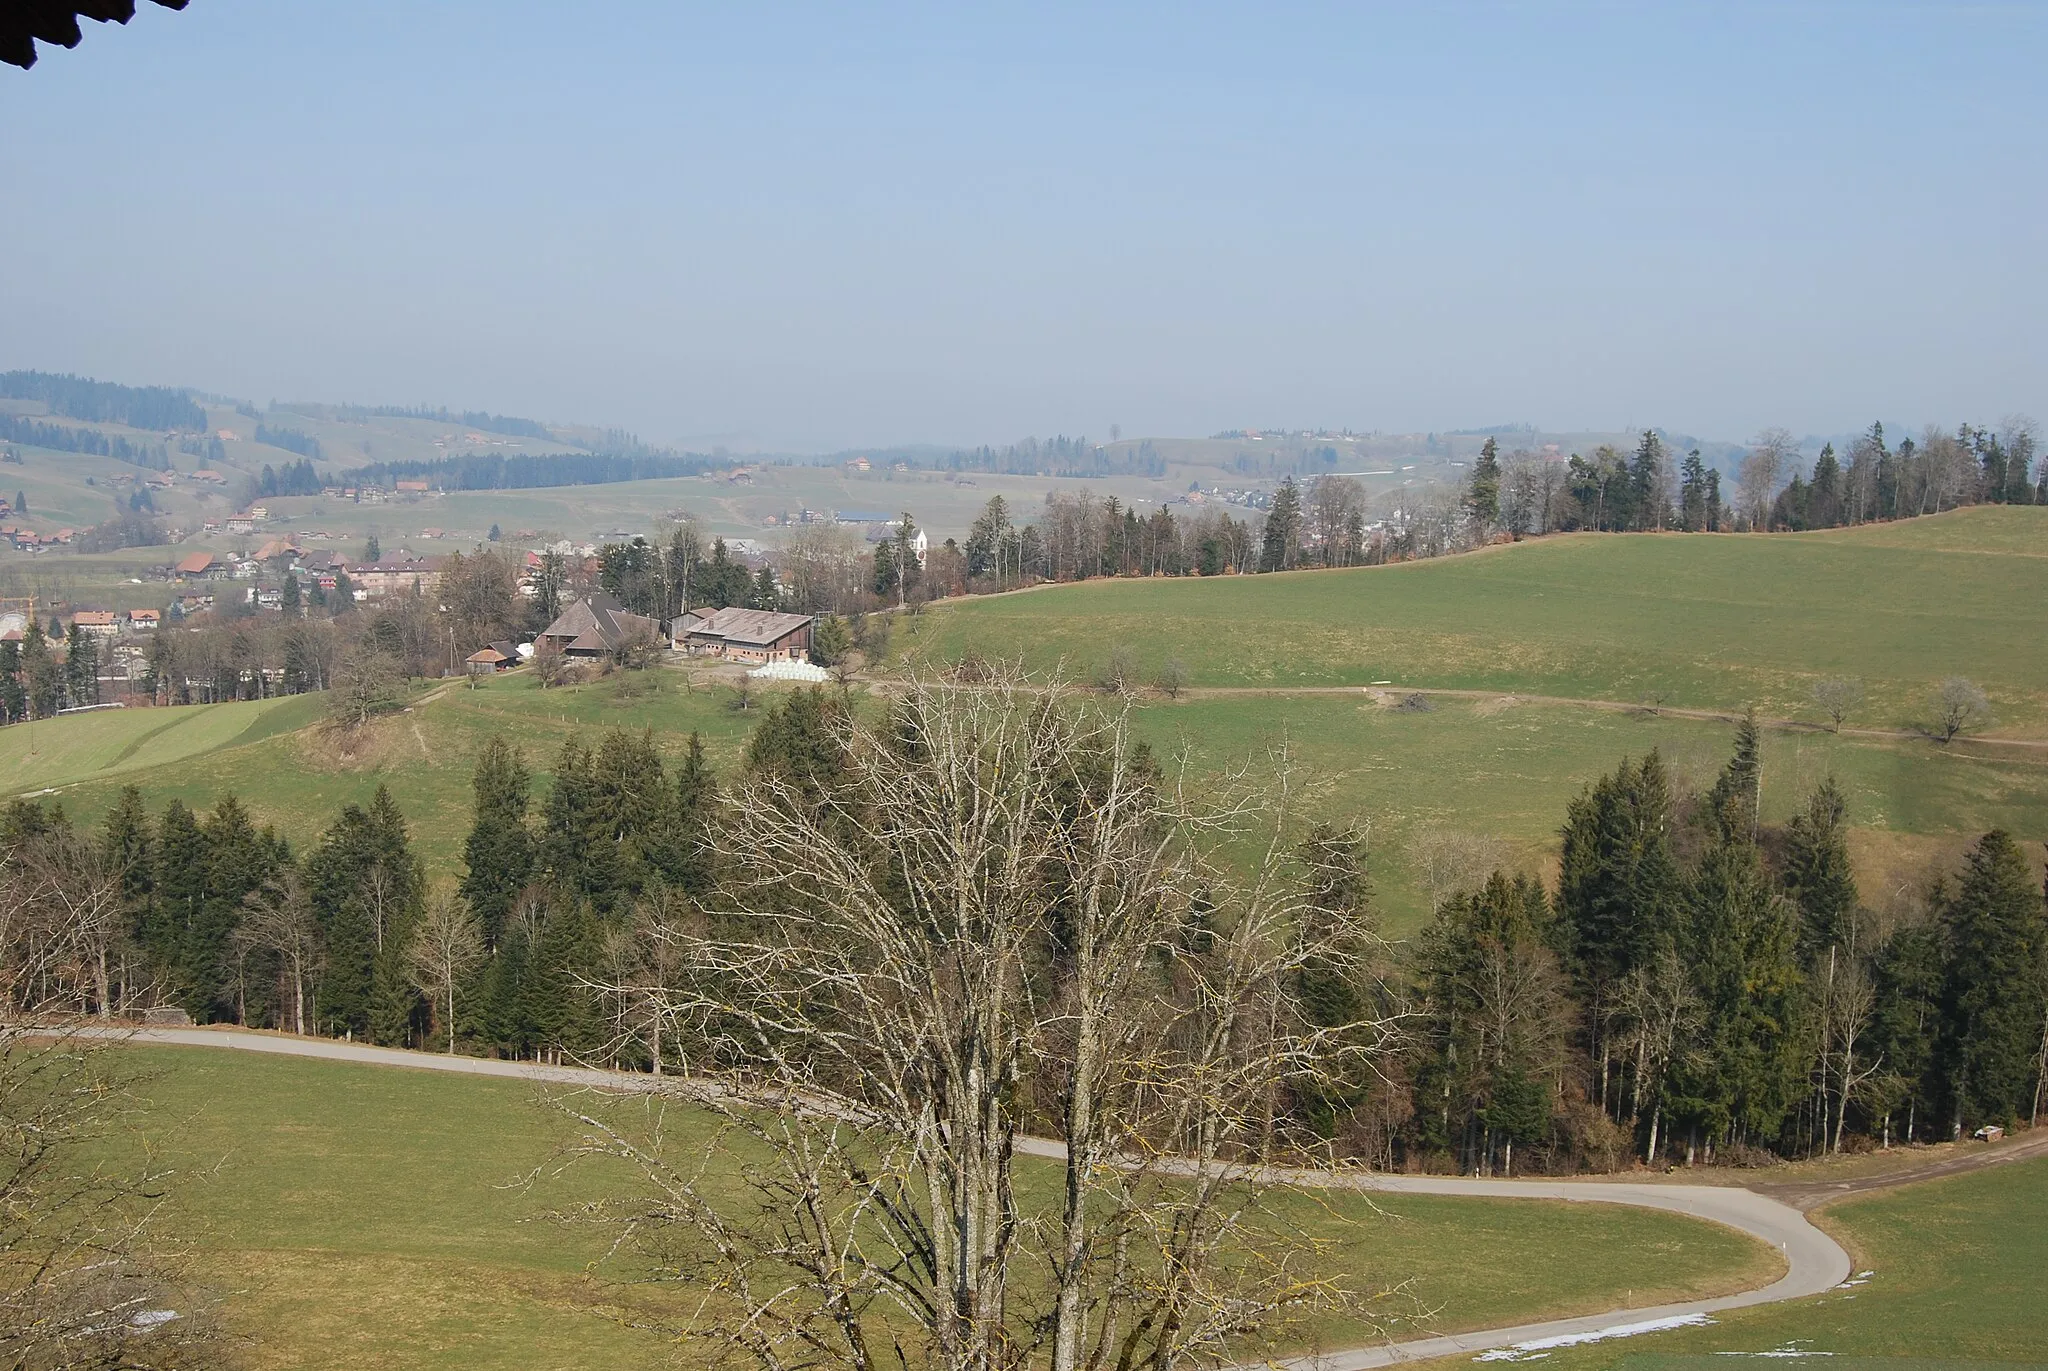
(599, 627)
(23, 539)
(399, 572)
(94, 623)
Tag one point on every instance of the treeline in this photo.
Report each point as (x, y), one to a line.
(1523, 493)
(664, 581)
(1059, 456)
(104, 402)
(64, 438)
(1701, 986)
(290, 439)
(539, 471)
(351, 938)
(46, 672)
(293, 478)
(469, 418)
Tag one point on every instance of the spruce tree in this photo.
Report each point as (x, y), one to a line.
(42, 675)
(127, 839)
(1482, 500)
(237, 860)
(576, 849)
(1283, 529)
(1645, 482)
(1819, 878)
(1735, 802)
(1991, 997)
(498, 854)
(679, 851)
(1741, 944)
(1692, 493)
(180, 891)
(1909, 976)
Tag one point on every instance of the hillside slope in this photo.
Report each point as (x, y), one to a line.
(1686, 620)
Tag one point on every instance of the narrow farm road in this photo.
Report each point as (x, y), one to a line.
(1814, 1262)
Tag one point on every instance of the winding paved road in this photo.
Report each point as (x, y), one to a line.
(1814, 1262)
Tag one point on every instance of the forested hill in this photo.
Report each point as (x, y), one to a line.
(105, 402)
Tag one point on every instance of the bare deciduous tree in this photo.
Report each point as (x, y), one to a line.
(446, 946)
(1837, 697)
(1450, 861)
(1771, 453)
(278, 918)
(1173, 677)
(1959, 704)
(1004, 917)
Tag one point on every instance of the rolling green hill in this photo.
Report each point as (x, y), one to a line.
(1713, 622)
(1470, 767)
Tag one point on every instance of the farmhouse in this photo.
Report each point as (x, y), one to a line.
(143, 620)
(494, 657)
(100, 623)
(199, 566)
(746, 635)
(597, 626)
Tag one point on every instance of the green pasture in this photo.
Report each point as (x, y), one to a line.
(1684, 620)
(78, 748)
(298, 780)
(1506, 772)
(367, 1216)
(1954, 1277)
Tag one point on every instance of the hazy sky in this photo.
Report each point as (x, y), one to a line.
(813, 227)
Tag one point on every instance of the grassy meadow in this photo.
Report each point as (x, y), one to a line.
(1954, 1278)
(1686, 620)
(1496, 771)
(365, 1216)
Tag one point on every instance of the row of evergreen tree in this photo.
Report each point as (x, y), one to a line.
(539, 471)
(293, 478)
(37, 679)
(226, 920)
(104, 402)
(14, 428)
(291, 440)
(1700, 984)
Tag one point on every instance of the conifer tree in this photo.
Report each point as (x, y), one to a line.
(1996, 927)
(1645, 482)
(1818, 876)
(42, 676)
(1909, 976)
(237, 860)
(1692, 493)
(576, 848)
(498, 854)
(798, 741)
(679, 851)
(1482, 500)
(181, 889)
(1283, 529)
(130, 845)
(1619, 897)
(1734, 804)
(1741, 944)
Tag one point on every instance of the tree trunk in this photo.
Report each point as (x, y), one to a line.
(1656, 1118)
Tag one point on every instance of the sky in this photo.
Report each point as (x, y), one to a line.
(809, 228)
